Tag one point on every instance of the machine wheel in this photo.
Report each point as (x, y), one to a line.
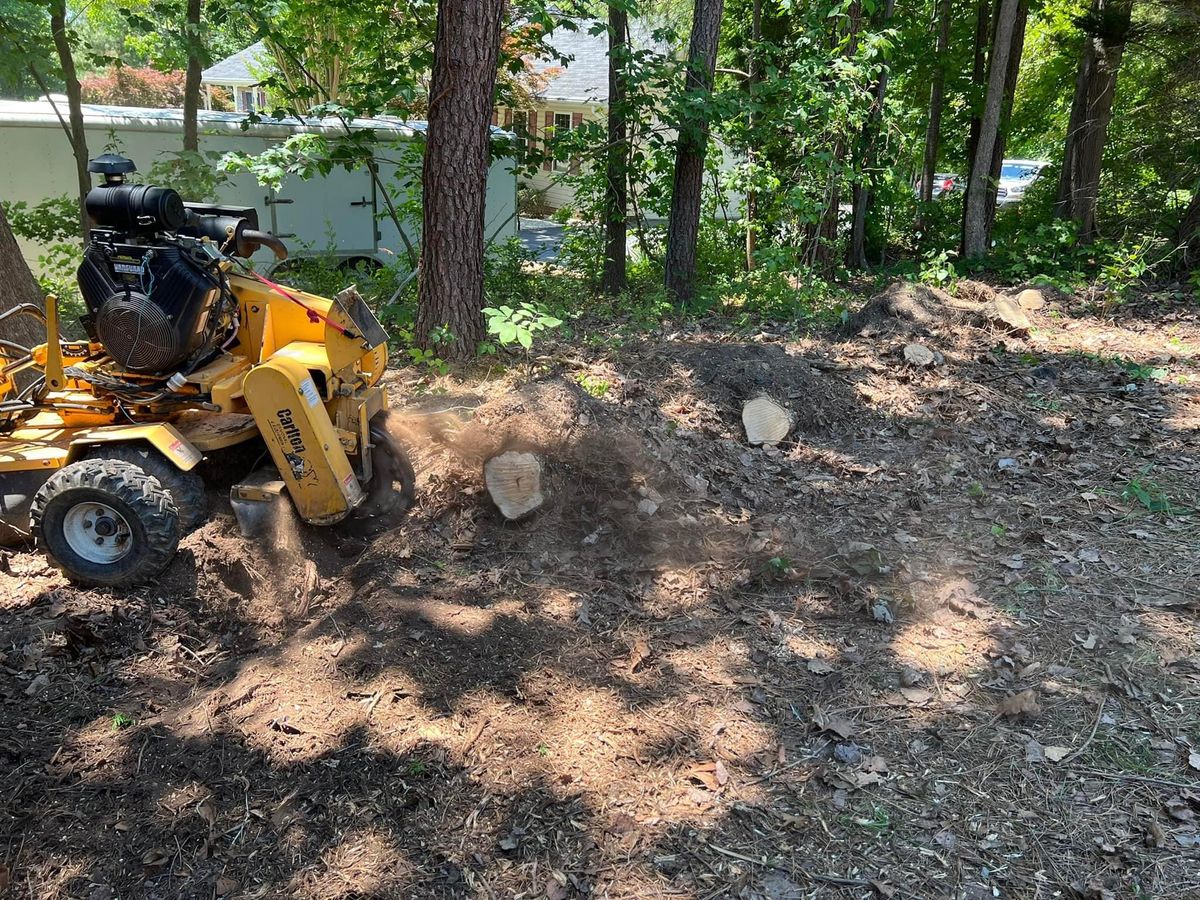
(185, 488)
(105, 522)
(393, 485)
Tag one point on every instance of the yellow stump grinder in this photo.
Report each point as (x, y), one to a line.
(188, 353)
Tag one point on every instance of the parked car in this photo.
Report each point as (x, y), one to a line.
(1016, 176)
(943, 183)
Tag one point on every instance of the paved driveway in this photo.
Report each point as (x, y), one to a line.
(542, 237)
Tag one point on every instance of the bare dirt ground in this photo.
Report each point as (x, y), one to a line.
(941, 643)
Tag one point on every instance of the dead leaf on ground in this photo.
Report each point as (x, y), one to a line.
(1057, 754)
(638, 654)
(1022, 704)
(819, 667)
(834, 724)
(713, 775)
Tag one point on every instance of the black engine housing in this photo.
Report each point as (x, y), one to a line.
(148, 304)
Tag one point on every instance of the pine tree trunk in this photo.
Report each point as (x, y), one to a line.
(856, 256)
(683, 223)
(1091, 111)
(937, 94)
(19, 287)
(616, 187)
(454, 175)
(975, 222)
(191, 81)
(75, 132)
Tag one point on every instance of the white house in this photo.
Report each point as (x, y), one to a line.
(240, 75)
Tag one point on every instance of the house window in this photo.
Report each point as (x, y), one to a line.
(562, 124)
(250, 100)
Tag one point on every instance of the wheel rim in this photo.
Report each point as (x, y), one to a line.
(97, 532)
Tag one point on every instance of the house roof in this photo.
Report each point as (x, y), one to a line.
(583, 78)
(239, 69)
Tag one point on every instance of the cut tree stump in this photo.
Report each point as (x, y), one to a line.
(514, 482)
(765, 421)
(1031, 298)
(1008, 312)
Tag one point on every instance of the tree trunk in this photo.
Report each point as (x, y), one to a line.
(683, 223)
(616, 186)
(454, 175)
(856, 256)
(1017, 49)
(937, 94)
(983, 29)
(191, 81)
(1107, 25)
(751, 85)
(75, 132)
(978, 186)
(19, 287)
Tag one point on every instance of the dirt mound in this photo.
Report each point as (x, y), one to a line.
(606, 492)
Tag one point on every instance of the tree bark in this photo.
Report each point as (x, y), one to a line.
(191, 81)
(978, 186)
(1016, 50)
(683, 223)
(457, 154)
(616, 186)
(19, 287)
(856, 255)
(1107, 25)
(75, 132)
(937, 94)
(983, 30)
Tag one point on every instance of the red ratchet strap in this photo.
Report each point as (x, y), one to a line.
(313, 315)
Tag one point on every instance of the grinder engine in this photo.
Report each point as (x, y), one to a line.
(157, 297)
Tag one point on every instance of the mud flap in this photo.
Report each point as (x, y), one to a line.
(16, 496)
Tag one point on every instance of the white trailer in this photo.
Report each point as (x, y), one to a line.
(341, 213)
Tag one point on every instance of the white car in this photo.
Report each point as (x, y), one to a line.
(1016, 175)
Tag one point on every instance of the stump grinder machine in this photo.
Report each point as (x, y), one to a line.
(189, 354)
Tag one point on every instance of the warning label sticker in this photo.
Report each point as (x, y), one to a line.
(309, 390)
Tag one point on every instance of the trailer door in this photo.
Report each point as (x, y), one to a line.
(334, 213)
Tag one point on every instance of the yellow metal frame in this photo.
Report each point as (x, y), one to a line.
(316, 360)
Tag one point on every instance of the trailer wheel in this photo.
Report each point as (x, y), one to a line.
(185, 488)
(105, 523)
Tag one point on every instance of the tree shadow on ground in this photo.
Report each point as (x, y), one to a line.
(620, 719)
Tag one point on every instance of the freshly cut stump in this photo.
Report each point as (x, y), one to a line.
(514, 482)
(765, 421)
